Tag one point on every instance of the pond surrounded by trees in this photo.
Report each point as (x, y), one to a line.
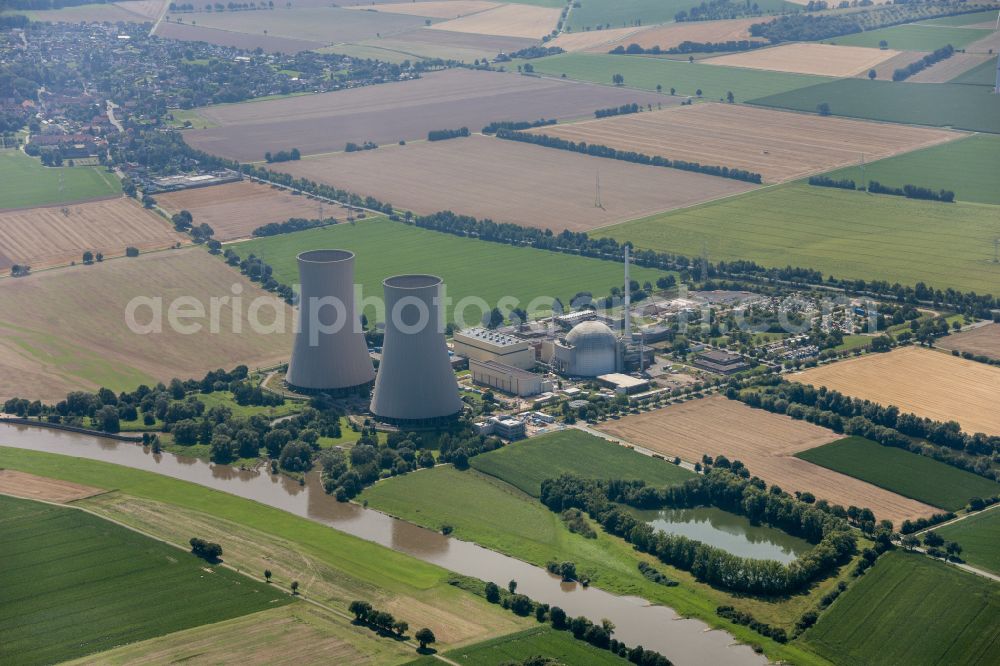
(728, 531)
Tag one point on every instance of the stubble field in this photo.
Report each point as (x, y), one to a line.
(440, 9)
(951, 68)
(803, 58)
(984, 340)
(671, 35)
(780, 146)
(927, 383)
(234, 210)
(71, 332)
(509, 181)
(240, 40)
(512, 20)
(392, 112)
(29, 486)
(54, 236)
(765, 442)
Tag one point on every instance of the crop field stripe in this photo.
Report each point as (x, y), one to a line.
(908, 474)
(544, 641)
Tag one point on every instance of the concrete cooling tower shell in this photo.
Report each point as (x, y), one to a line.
(415, 383)
(329, 353)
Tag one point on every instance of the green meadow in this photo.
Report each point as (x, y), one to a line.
(544, 641)
(913, 37)
(979, 536)
(25, 183)
(598, 14)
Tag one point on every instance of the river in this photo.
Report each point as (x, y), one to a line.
(684, 641)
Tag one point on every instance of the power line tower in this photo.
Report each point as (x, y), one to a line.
(597, 192)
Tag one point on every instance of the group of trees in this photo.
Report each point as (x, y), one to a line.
(617, 110)
(746, 619)
(292, 224)
(444, 134)
(381, 621)
(729, 487)
(530, 53)
(719, 9)
(20, 270)
(690, 47)
(200, 233)
(206, 550)
(351, 147)
(599, 150)
(496, 125)
(943, 53)
(292, 155)
(875, 187)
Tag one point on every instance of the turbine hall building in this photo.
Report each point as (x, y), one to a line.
(415, 385)
(329, 353)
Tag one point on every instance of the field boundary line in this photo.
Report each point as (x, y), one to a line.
(957, 519)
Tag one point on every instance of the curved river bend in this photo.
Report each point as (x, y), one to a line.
(686, 642)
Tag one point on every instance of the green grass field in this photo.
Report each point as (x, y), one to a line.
(76, 584)
(910, 609)
(596, 14)
(940, 104)
(25, 183)
(908, 474)
(913, 37)
(963, 19)
(648, 72)
(841, 233)
(980, 75)
(966, 167)
(979, 537)
(526, 464)
(540, 641)
(470, 267)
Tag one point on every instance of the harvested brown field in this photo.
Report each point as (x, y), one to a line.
(29, 486)
(406, 110)
(324, 25)
(984, 340)
(440, 9)
(807, 58)
(146, 9)
(58, 235)
(446, 39)
(671, 35)
(71, 331)
(765, 442)
(780, 145)
(884, 70)
(234, 210)
(526, 21)
(927, 383)
(599, 41)
(946, 70)
(989, 44)
(239, 40)
(509, 181)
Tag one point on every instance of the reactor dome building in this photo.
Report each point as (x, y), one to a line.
(329, 353)
(415, 385)
(590, 349)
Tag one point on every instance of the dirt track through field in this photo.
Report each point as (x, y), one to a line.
(405, 110)
(804, 58)
(509, 181)
(984, 340)
(29, 486)
(766, 443)
(777, 144)
(927, 383)
(57, 235)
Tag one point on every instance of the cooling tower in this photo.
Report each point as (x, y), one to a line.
(329, 353)
(415, 383)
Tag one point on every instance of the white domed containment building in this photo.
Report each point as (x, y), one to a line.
(415, 385)
(590, 349)
(329, 353)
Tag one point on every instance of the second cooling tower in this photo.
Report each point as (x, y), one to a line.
(330, 353)
(415, 383)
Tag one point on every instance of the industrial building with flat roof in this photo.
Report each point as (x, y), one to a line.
(482, 344)
(622, 383)
(722, 362)
(507, 378)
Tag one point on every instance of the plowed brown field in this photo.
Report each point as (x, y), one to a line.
(29, 486)
(984, 340)
(806, 58)
(57, 235)
(922, 381)
(779, 145)
(765, 442)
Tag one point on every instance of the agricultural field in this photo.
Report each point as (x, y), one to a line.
(510, 181)
(292, 634)
(234, 210)
(910, 609)
(439, 9)
(908, 474)
(982, 75)
(648, 72)
(841, 233)
(595, 14)
(100, 585)
(25, 183)
(818, 59)
(767, 443)
(524, 21)
(544, 641)
(427, 43)
(596, 41)
(984, 340)
(924, 382)
(965, 167)
(29, 486)
(469, 267)
(392, 112)
(965, 20)
(951, 68)
(673, 34)
(133, 12)
(240, 40)
(56, 236)
(913, 37)
(779, 146)
(526, 464)
(979, 536)
(71, 332)
(885, 69)
(964, 107)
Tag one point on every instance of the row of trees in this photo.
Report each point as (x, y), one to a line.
(688, 46)
(943, 53)
(875, 187)
(445, 134)
(599, 150)
(719, 9)
(292, 224)
(292, 155)
(622, 110)
(496, 125)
